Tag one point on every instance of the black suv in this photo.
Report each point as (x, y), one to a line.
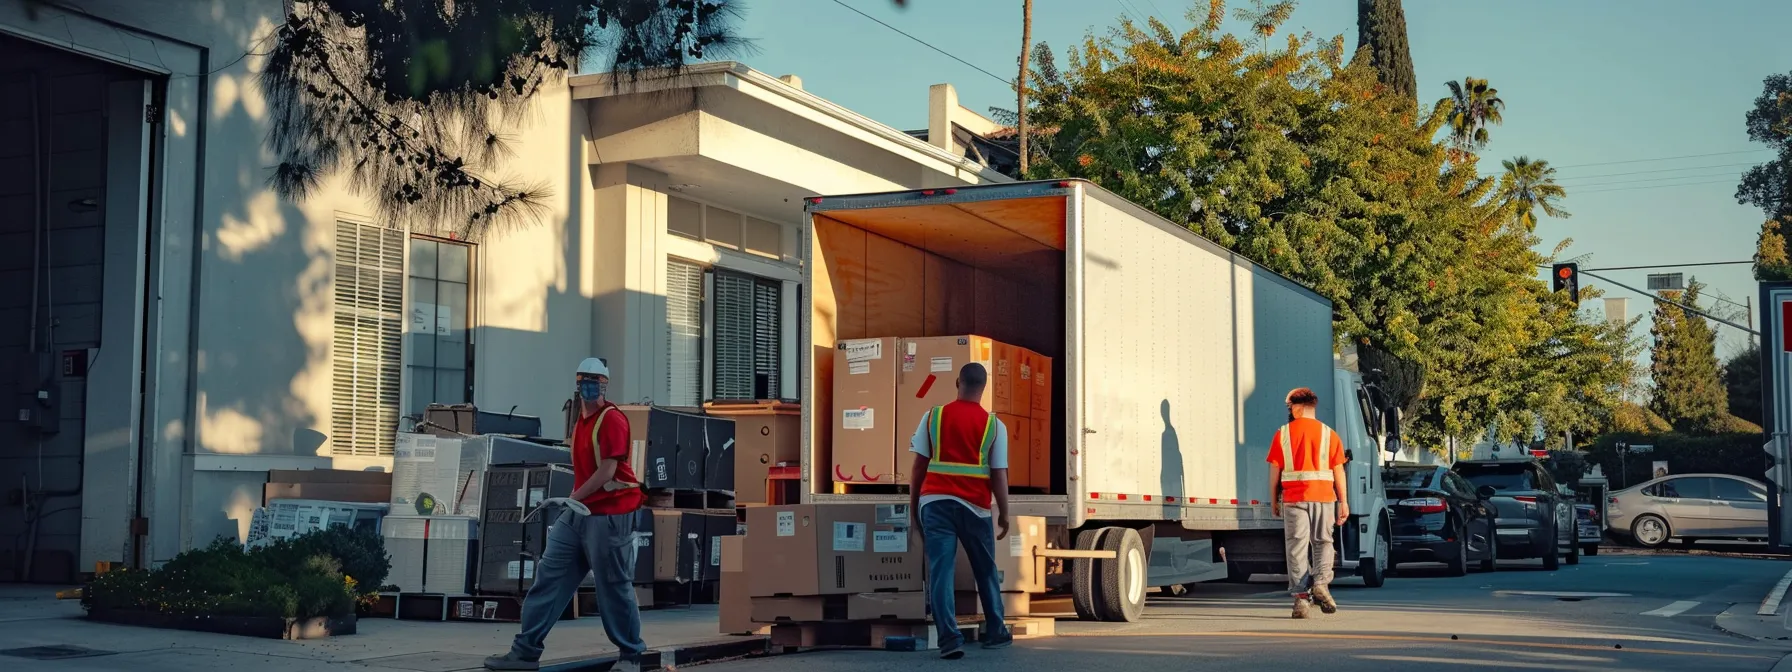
(1533, 519)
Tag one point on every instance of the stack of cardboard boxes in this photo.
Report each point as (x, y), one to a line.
(852, 563)
(883, 387)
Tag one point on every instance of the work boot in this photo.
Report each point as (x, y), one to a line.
(1300, 607)
(511, 661)
(1322, 596)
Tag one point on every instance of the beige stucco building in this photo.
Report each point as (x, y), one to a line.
(170, 329)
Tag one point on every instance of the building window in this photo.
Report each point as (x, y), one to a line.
(746, 313)
(684, 333)
(367, 348)
(439, 355)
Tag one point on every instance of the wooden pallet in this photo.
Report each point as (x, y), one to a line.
(847, 488)
(891, 635)
(673, 498)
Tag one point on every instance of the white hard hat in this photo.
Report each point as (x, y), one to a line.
(593, 366)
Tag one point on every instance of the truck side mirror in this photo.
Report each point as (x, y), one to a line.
(1486, 492)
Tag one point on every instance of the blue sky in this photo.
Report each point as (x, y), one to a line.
(1587, 82)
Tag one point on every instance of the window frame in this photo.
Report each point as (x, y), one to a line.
(381, 450)
(406, 392)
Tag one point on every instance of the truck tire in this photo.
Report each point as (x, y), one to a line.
(1082, 575)
(1120, 581)
(1375, 573)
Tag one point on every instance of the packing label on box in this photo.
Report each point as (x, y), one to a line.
(863, 351)
(1016, 548)
(858, 368)
(659, 468)
(858, 418)
(1026, 372)
(643, 539)
(892, 514)
(940, 365)
(536, 495)
(890, 541)
(715, 551)
(786, 523)
(849, 537)
(520, 569)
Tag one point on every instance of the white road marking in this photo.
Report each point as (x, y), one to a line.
(1771, 604)
(1545, 593)
(1674, 609)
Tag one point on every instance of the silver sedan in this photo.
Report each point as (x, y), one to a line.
(1689, 507)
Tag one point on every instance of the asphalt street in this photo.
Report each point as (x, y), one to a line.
(1611, 612)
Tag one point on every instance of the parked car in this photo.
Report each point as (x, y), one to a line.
(1689, 507)
(1591, 532)
(1438, 517)
(1533, 519)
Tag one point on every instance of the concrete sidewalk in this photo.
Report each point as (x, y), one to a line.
(30, 616)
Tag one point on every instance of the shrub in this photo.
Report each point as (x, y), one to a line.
(1737, 454)
(303, 577)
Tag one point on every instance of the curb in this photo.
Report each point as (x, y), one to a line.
(1770, 605)
(684, 655)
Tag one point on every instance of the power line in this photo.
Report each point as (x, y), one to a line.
(924, 43)
(1660, 299)
(1655, 179)
(1702, 263)
(1663, 170)
(1654, 186)
(1663, 158)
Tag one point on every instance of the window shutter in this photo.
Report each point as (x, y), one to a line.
(684, 333)
(734, 342)
(767, 335)
(367, 360)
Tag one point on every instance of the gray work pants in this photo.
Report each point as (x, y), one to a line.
(579, 545)
(1307, 530)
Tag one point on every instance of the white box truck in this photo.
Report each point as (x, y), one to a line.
(1172, 357)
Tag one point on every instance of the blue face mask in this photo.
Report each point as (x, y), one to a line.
(592, 390)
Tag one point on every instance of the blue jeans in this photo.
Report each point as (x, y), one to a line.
(945, 525)
(578, 545)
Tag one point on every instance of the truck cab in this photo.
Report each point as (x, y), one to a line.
(1363, 542)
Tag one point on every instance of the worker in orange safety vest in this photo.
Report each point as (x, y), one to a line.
(1306, 485)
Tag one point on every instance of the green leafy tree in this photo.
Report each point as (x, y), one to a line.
(1474, 106)
(1312, 168)
(1742, 383)
(1769, 185)
(1381, 35)
(1771, 259)
(1529, 186)
(1689, 391)
(413, 97)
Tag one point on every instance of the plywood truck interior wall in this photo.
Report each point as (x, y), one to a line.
(937, 270)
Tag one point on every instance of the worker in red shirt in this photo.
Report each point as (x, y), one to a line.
(960, 471)
(1306, 486)
(601, 542)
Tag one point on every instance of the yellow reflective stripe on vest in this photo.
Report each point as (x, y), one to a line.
(1325, 453)
(940, 466)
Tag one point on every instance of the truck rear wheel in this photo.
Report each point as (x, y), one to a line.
(1120, 594)
(1082, 575)
(1375, 572)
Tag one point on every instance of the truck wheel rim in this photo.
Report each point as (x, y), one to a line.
(1382, 551)
(1135, 576)
(1650, 531)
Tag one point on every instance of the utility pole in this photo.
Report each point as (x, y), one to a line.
(1020, 87)
(1748, 304)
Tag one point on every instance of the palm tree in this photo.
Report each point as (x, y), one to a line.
(1474, 107)
(1529, 186)
(1026, 44)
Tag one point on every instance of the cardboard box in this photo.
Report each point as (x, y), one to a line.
(678, 545)
(832, 549)
(1041, 397)
(929, 376)
(735, 608)
(903, 606)
(1012, 379)
(1039, 455)
(1022, 570)
(639, 419)
(693, 449)
(766, 434)
(1020, 447)
(865, 412)
(1016, 605)
(798, 609)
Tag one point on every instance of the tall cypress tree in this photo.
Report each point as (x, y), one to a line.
(1381, 28)
(1689, 390)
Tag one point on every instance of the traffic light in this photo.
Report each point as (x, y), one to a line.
(1566, 277)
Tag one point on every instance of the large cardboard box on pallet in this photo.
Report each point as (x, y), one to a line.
(735, 610)
(1011, 379)
(929, 376)
(865, 426)
(1020, 433)
(832, 549)
(679, 545)
(1022, 569)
